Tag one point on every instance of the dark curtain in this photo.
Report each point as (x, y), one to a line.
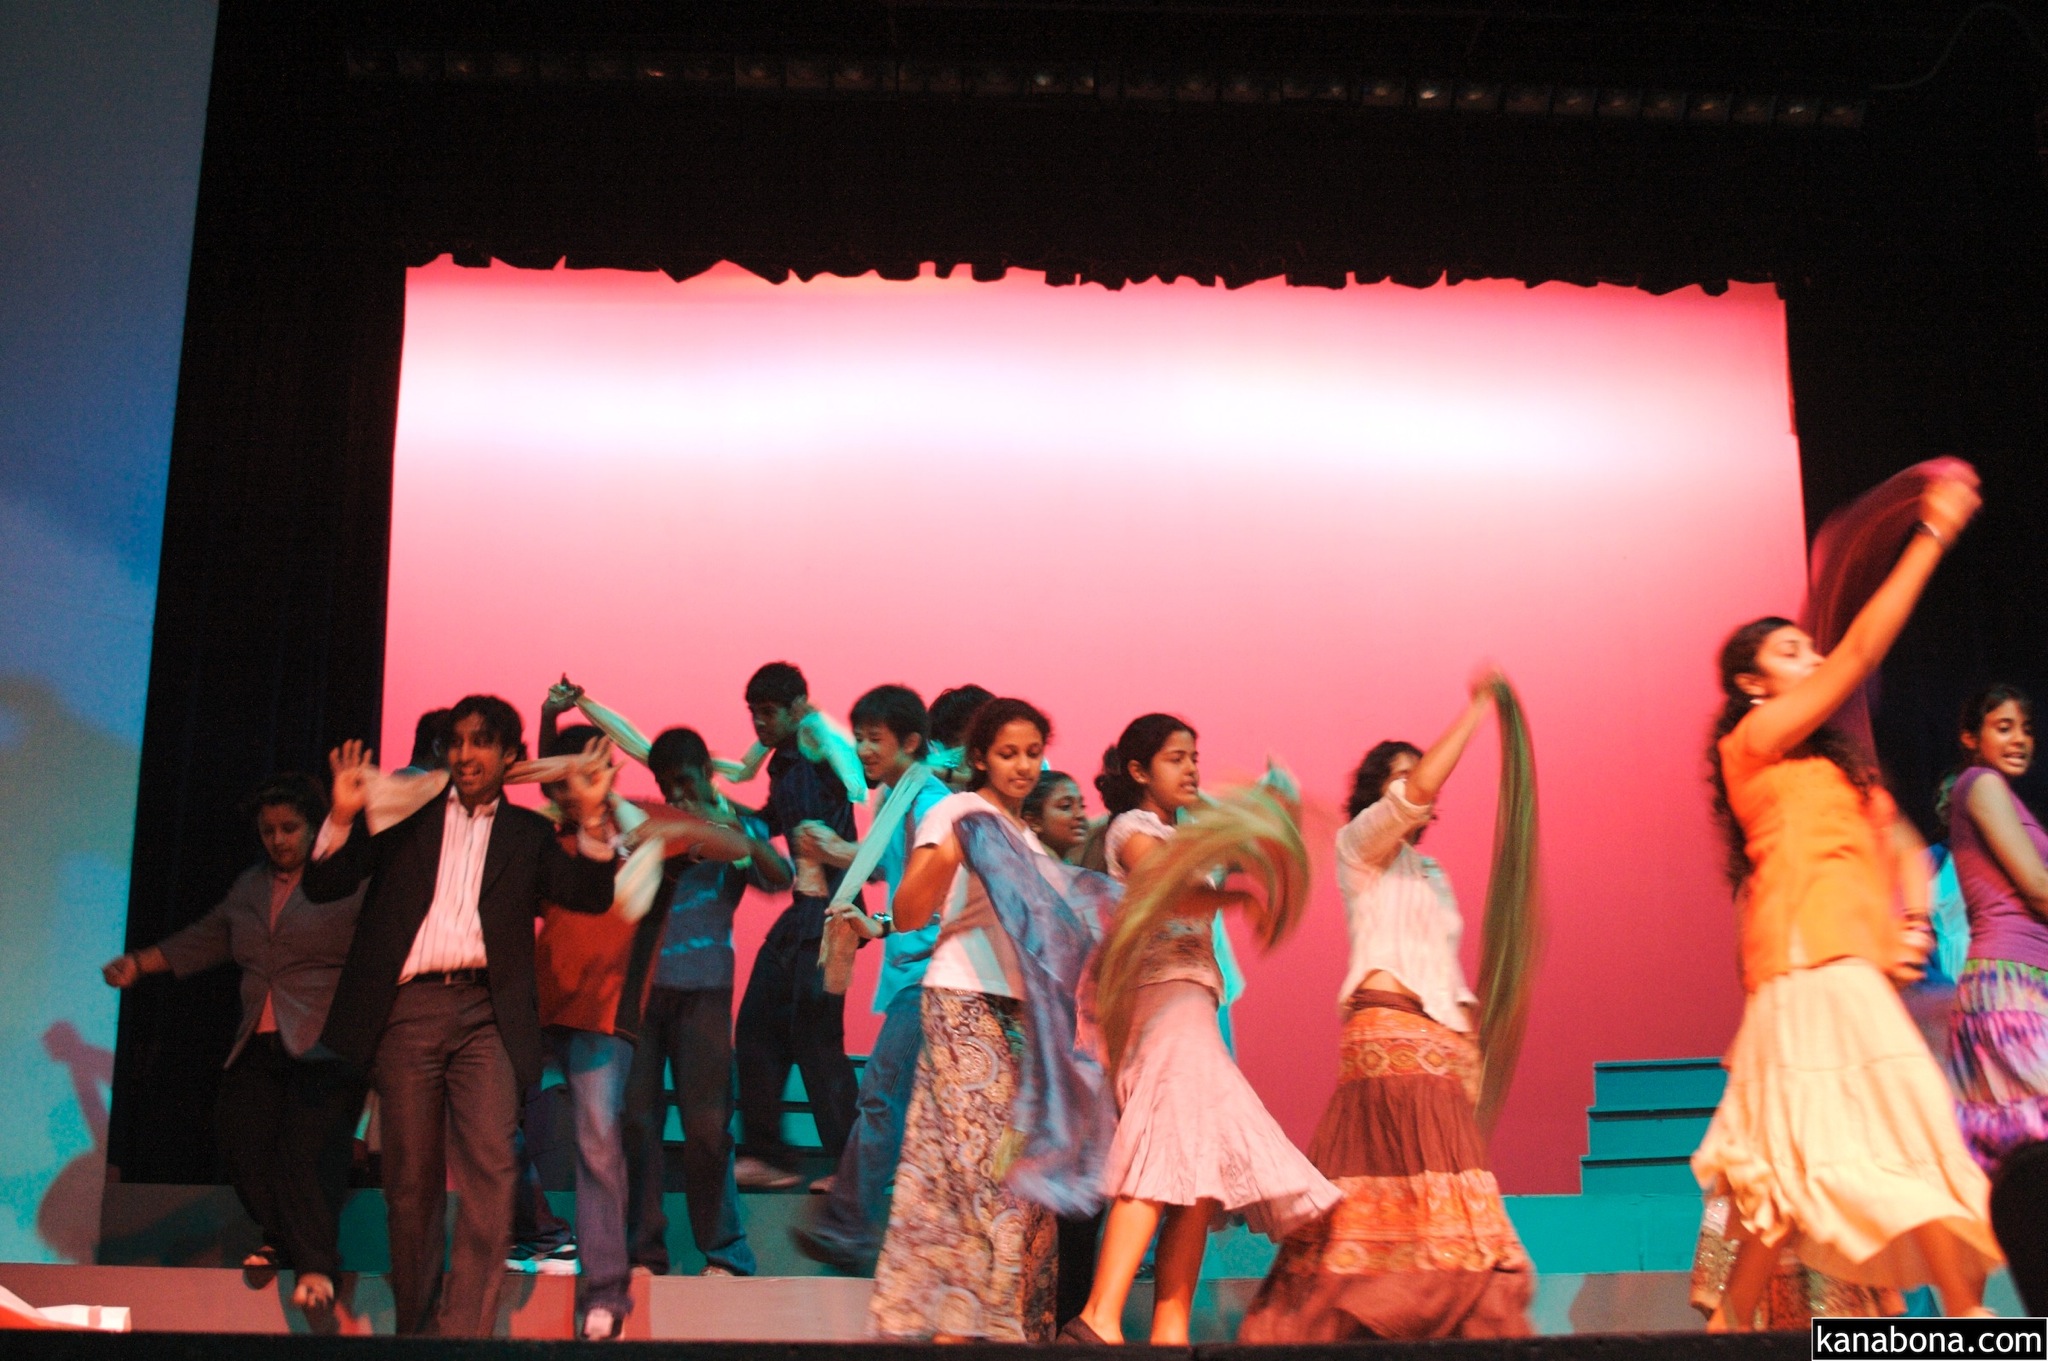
(1910, 254)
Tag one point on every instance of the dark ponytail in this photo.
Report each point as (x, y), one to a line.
(1140, 742)
(1738, 658)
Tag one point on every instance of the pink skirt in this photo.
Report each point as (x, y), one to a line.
(1192, 1129)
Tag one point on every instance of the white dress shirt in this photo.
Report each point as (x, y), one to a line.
(1400, 908)
(452, 935)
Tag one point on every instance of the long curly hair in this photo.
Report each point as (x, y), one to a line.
(1369, 781)
(1738, 659)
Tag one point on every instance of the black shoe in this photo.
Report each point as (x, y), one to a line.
(1078, 1331)
(821, 1249)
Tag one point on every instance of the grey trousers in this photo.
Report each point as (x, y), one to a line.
(449, 1105)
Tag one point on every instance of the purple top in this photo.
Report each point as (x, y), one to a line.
(2002, 926)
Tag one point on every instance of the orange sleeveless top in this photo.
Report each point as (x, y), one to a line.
(1820, 884)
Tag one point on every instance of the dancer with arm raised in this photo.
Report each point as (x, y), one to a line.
(1836, 1132)
(1193, 1141)
(1421, 1246)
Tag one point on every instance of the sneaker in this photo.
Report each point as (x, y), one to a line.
(823, 1185)
(714, 1269)
(601, 1325)
(757, 1175)
(533, 1261)
(829, 1252)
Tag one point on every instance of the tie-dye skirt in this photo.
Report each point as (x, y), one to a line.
(1998, 1057)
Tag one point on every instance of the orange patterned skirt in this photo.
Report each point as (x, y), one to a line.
(1421, 1245)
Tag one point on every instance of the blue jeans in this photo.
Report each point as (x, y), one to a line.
(857, 1211)
(595, 1067)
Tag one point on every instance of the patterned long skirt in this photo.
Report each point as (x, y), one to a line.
(964, 1256)
(1998, 1057)
(1796, 1293)
(1421, 1245)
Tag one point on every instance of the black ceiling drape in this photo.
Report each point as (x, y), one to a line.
(1910, 251)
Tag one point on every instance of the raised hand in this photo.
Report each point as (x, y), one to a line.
(1948, 505)
(588, 786)
(1483, 679)
(352, 763)
(121, 972)
(562, 696)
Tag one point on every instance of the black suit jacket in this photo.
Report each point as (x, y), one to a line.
(524, 866)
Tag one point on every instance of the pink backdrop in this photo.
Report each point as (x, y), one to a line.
(1297, 517)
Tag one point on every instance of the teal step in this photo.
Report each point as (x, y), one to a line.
(1658, 1085)
(1646, 1134)
(1636, 1177)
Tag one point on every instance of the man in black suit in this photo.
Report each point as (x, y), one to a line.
(437, 996)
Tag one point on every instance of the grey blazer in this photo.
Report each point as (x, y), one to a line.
(298, 964)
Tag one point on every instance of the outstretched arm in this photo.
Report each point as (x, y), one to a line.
(1436, 765)
(1780, 724)
(616, 726)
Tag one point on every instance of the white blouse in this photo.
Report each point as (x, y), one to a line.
(974, 953)
(1184, 948)
(1400, 908)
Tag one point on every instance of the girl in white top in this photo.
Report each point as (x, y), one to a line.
(1193, 1138)
(1422, 1246)
(965, 1257)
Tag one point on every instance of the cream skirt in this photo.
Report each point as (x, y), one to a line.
(1837, 1133)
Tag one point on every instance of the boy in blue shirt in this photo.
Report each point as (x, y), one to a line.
(890, 733)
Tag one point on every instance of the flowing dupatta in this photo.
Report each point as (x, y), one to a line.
(1511, 937)
(1249, 830)
(1063, 1119)
(1853, 553)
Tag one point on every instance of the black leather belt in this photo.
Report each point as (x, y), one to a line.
(449, 977)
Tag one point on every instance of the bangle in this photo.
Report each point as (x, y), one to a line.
(1931, 532)
(888, 923)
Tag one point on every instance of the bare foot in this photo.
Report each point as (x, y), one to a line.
(314, 1292)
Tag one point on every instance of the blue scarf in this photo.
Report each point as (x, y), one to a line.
(1063, 1114)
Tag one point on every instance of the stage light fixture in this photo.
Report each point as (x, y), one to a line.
(703, 74)
(366, 65)
(1752, 110)
(1619, 103)
(1527, 100)
(759, 74)
(1383, 92)
(1575, 101)
(510, 66)
(1145, 85)
(997, 82)
(1798, 111)
(1244, 88)
(1478, 97)
(1708, 109)
(857, 77)
(656, 68)
(1433, 94)
(1083, 81)
(556, 67)
(463, 66)
(607, 66)
(1047, 80)
(806, 75)
(1842, 113)
(946, 80)
(1663, 106)
(1195, 87)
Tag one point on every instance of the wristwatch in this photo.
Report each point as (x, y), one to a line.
(888, 923)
